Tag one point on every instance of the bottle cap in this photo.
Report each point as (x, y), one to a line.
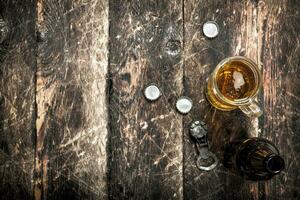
(152, 92)
(210, 29)
(184, 105)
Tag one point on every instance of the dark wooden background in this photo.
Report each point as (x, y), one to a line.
(73, 120)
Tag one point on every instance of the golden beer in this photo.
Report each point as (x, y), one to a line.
(235, 83)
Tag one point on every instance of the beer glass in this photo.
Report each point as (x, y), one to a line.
(235, 83)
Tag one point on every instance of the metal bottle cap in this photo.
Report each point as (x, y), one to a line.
(152, 92)
(184, 105)
(210, 29)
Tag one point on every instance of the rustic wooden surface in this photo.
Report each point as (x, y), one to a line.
(280, 55)
(145, 138)
(17, 98)
(73, 119)
(71, 105)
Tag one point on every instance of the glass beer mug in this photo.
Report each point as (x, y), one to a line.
(235, 83)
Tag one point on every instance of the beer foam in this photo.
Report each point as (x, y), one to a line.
(238, 80)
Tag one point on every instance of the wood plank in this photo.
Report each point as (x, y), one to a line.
(71, 100)
(280, 50)
(238, 36)
(145, 138)
(17, 98)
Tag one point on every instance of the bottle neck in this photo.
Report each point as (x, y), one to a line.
(265, 161)
(259, 158)
(274, 163)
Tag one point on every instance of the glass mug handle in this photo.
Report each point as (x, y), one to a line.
(252, 109)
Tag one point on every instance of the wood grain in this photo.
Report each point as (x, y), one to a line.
(74, 123)
(17, 98)
(238, 36)
(145, 137)
(71, 102)
(280, 50)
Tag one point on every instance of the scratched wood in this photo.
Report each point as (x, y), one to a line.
(62, 85)
(17, 98)
(71, 86)
(145, 138)
(238, 36)
(280, 50)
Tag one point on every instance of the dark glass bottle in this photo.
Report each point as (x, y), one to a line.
(253, 158)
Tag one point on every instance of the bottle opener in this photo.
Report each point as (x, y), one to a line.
(206, 160)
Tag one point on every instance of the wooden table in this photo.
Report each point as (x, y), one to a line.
(74, 123)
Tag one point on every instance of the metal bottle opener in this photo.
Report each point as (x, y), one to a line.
(206, 160)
